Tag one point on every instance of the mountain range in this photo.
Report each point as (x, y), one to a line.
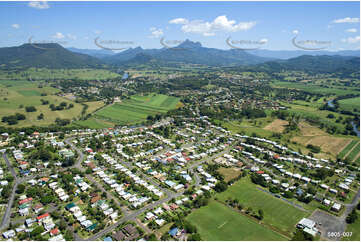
(55, 56)
(51, 55)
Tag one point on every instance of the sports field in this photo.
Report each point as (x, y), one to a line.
(138, 108)
(218, 222)
(277, 213)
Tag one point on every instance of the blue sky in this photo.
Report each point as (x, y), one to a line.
(268, 25)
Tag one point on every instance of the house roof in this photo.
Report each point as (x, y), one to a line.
(119, 236)
(130, 229)
(42, 216)
(173, 232)
(54, 231)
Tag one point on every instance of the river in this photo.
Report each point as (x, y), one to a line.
(355, 129)
(330, 103)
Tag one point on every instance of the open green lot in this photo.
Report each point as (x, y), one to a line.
(16, 95)
(277, 213)
(137, 108)
(350, 104)
(347, 149)
(314, 88)
(354, 152)
(218, 222)
(60, 74)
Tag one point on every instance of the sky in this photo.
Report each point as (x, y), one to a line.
(118, 25)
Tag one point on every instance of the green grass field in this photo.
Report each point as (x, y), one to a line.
(137, 108)
(350, 104)
(218, 222)
(313, 88)
(276, 212)
(347, 148)
(94, 123)
(64, 74)
(16, 95)
(354, 152)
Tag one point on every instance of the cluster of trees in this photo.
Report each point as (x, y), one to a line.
(44, 102)
(61, 106)
(62, 122)
(314, 148)
(30, 109)
(235, 204)
(352, 217)
(13, 119)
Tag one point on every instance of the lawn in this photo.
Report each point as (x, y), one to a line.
(347, 149)
(138, 108)
(218, 222)
(276, 212)
(229, 173)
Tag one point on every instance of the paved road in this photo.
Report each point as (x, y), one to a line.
(6, 217)
(10, 166)
(132, 216)
(146, 177)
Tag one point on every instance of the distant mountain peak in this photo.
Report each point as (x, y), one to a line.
(190, 44)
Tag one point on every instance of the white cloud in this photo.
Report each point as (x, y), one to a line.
(295, 31)
(39, 4)
(15, 26)
(156, 33)
(351, 30)
(58, 35)
(264, 41)
(70, 36)
(219, 24)
(97, 31)
(351, 40)
(346, 20)
(178, 21)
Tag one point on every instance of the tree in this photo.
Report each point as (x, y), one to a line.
(40, 116)
(194, 237)
(20, 189)
(221, 186)
(352, 217)
(30, 109)
(47, 199)
(260, 214)
(38, 230)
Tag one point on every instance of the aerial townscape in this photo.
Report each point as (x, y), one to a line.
(216, 139)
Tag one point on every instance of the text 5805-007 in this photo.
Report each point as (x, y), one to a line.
(339, 234)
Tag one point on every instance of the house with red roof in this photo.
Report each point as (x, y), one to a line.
(43, 216)
(26, 200)
(54, 231)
